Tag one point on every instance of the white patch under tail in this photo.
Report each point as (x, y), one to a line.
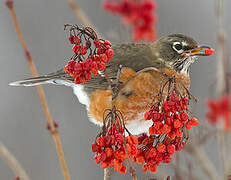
(78, 90)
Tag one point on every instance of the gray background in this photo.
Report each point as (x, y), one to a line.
(22, 121)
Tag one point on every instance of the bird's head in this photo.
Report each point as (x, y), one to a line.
(178, 51)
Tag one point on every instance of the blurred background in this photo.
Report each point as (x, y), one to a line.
(22, 121)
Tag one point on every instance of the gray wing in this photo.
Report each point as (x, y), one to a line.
(135, 56)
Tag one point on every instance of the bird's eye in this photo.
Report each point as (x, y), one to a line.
(177, 46)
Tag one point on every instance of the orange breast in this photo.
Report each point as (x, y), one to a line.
(134, 99)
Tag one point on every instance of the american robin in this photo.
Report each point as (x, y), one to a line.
(171, 54)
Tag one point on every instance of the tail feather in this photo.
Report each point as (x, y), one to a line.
(49, 78)
(32, 81)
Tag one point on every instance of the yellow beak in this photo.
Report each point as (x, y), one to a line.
(200, 51)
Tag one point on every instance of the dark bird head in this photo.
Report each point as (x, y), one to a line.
(178, 51)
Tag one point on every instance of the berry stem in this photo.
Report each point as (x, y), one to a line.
(81, 16)
(53, 129)
(13, 163)
(107, 173)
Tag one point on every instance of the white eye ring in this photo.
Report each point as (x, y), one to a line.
(177, 46)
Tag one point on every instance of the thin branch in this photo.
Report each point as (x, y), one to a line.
(131, 169)
(202, 160)
(50, 122)
(13, 163)
(81, 15)
(222, 73)
(107, 173)
(222, 65)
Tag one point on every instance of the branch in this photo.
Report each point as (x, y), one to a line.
(222, 73)
(81, 15)
(202, 160)
(107, 173)
(222, 65)
(50, 122)
(13, 163)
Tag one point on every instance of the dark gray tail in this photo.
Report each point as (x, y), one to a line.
(50, 78)
(32, 81)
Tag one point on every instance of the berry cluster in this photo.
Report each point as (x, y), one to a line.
(220, 109)
(166, 134)
(90, 54)
(111, 146)
(152, 151)
(139, 14)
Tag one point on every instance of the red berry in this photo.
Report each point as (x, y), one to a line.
(145, 167)
(194, 122)
(104, 165)
(188, 125)
(167, 158)
(178, 132)
(74, 39)
(152, 168)
(171, 148)
(184, 116)
(152, 130)
(95, 148)
(77, 80)
(104, 58)
(109, 52)
(119, 138)
(83, 50)
(101, 66)
(87, 75)
(109, 152)
(78, 69)
(161, 148)
(148, 115)
(87, 64)
(97, 43)
(209, 51)
(97, 159)
(76, 48)
(152, 153)
(106, 42)
(177, 123)
(69, 68)
(123, 170)
(96, 58)
(139, 159)
(100, 141)
(71, 39)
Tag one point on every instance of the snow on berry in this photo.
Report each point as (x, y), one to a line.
(90, 54)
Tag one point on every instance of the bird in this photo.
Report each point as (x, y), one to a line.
(171, 54)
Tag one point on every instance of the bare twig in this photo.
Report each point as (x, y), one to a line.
(202, 160)
(53, 128)
(222, 73)
(13, 163)
(131, 169)
(222, 65)
(107, 174)
(81, 15)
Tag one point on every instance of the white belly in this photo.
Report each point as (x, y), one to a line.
(136, 127)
